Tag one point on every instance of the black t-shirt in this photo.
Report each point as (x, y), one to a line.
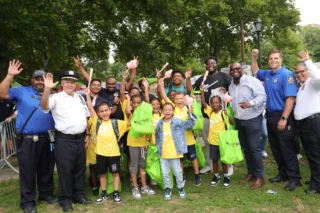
(104, 93)
(220, 79)
(6, 109)
(98, 100)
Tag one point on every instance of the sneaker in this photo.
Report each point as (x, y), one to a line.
(167, 194)
(102, 198)
(197, 181)
(206, 169)
(136, 193)
(182, 193)
(230, 169)
(299, 156)
(147, 190)
(116, 197)
(215, 180)
(226, 182)
(95, 191)
(153, 182)
(264, 154)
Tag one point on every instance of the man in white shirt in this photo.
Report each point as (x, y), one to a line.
(70, 113)
(307, 116)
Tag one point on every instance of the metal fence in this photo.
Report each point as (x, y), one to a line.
(8, 144)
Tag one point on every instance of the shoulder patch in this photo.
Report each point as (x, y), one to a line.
(290, 80)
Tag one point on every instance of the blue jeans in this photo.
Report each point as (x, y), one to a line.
(264, 134)
(166, 165)
(249, 136)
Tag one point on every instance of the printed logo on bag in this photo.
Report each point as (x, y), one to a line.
(114, 167)
(233, 144)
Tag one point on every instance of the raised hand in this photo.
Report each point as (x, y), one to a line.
(14, 66)
(222, 89)
(188, 72)
(201, 87)
(158, 73)
(125, 74)
(77, 61)
(145, 83)
(136, 58)
(87, 92)
(48, 81)
(304, 56)
(255, 52)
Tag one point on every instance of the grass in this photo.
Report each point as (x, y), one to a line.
(237, 198)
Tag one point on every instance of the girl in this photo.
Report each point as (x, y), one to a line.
(137, 146)
(170, 139)
(107, 148)
(217, 125)
(181, 111)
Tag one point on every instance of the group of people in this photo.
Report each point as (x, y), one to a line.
(71, 130)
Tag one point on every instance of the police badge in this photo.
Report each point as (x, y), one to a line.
(290, 80)
(275, 80)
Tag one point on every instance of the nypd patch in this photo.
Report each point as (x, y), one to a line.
(290, 80)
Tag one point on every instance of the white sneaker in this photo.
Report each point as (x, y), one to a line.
(136, 193)
(230, 170)
(206, 169)
(299, 156)
(153, 182)
(147, 190)
(264, 154)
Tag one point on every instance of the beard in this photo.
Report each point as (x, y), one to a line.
(37, 89)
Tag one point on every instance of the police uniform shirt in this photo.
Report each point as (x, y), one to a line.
(308, 97)
(27, 99)
(278, 85)
(69, 112)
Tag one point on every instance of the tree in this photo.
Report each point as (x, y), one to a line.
(311, 37)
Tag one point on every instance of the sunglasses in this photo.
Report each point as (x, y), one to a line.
(236, 68)
(299, 72)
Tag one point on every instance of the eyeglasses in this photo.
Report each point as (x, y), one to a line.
(299, 72)
(236, 68)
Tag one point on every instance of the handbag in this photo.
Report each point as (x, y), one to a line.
(141, 122)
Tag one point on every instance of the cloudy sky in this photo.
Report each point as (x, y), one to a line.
(309, 10)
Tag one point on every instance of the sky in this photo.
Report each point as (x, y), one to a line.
(309, 11)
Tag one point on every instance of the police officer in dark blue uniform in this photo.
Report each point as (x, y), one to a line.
(281, 90)
(35, 158)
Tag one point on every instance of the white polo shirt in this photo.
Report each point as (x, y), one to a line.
(69, 112)
(308, 96)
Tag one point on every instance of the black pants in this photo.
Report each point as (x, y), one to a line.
(70, 157)
(36, 163)
(283, 148)
(309, 133)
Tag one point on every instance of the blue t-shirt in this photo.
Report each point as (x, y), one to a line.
(27, 99)
(181, 89)
(278, 86)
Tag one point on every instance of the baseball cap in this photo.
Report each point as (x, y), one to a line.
(38, 73)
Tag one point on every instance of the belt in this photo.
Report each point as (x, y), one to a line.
(69, 136)
(40, 136)
(273, 114)
(317, 115)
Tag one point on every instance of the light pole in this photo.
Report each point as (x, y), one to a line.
(258, 27)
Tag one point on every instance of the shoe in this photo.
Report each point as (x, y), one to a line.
(291, 186)
(67, 208)
(197, 181)
(206, 170)
(277, 179)
(307, 182)
(264, 154)
(312, 191)
(147, 190)
(182, 193)
(299, 156)
(116, 197)
(49, 199)
(83, 200)
(153, 182)
(136, 193)
(215, 180)
(246, 179)
(226, 182)
(230, 170)
(102, 198)
(30, 209)
(95, 191)
(258, 183)
(167, 194)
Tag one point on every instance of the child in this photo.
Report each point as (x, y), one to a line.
(107, 148)
(171, 141)
(181, 111)
(137, 146)
(216, 125)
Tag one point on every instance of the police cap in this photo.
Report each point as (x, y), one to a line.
(69, 74)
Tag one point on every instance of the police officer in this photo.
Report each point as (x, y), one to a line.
(281, 90)
(70, 113)
(36, 160)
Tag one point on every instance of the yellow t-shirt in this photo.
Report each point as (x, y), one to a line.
(155, 119)
(216, 125)
(168, 148)
(182, 113)
(90, 151)
(123, 108)
(107, 144)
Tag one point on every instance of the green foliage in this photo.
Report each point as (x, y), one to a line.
(311, 37)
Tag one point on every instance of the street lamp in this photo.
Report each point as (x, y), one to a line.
(258, 27)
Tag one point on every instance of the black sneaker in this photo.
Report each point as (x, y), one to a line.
(116, 197)
(102, 198)
(167, 194)
(95, 191)
(215, 180)
(226, 182)
(197, 181)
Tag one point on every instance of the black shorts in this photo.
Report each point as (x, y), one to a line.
(191, 154)
(214, 152)
(105, 164)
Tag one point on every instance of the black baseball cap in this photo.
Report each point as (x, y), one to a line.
(38, 73)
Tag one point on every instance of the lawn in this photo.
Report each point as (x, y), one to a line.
(237, 198)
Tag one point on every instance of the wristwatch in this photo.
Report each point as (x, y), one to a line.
(284, 118)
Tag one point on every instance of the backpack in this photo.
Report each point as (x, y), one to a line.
(115, 128)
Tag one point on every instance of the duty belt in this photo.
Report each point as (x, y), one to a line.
(69, 136)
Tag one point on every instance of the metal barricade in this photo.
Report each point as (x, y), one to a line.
(8, 144)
